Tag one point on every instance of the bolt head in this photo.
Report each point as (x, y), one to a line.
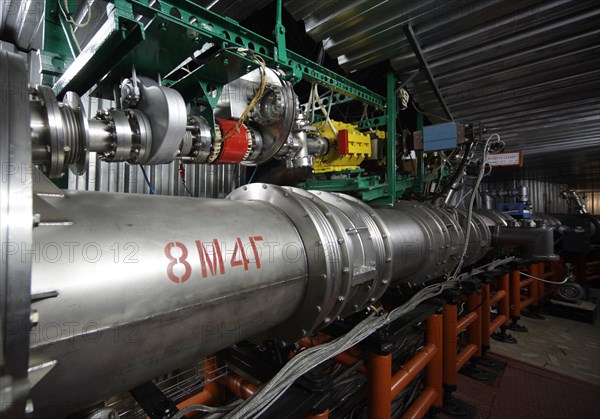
(34, 318)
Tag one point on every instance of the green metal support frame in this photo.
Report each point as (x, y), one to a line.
(60, 48)
(392, 102)
(370, 188)
(189, 26)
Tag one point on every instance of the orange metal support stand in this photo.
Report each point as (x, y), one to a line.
(322, 415)
(533, 297)
(211, 393)
(238, 385)
(453, 361)
(383, 386)
(500, 299)
(516, 302)
(474, 329)
(515, 295)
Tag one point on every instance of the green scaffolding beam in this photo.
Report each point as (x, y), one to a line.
(190, 26)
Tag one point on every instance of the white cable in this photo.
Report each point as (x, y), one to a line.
(471, 204)
(311, 109)
(545, 280)
(71, 21)
(325, 110)
(307, 360)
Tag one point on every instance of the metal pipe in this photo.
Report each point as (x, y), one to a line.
(464, 355)
(504, 308)
(412, 368)
(474, 329)
(486, 316)
(434, 336)
(497, 296)
(419, 408)
(515, 294)
(536, 243)
(322, 415)
(113, 273)
(238, 385)
(427, 239)
(465, 321)
(449, 371)
(211, 393)
(349, 360)
(416, 47)
(100, 136)
(139, 276)
(533, 290)
(380, 381)
(541, 273)
(496, 323)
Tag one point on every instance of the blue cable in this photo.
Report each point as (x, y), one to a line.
(147, 180)
(253, 173)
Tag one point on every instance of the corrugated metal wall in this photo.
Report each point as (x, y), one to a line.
(544, 197)
(206, 181)
(592, 200)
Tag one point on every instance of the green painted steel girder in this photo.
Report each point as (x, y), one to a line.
(194, 26)
(376, 122)
(212, 27)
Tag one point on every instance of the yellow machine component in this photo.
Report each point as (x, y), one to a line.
(347, 150)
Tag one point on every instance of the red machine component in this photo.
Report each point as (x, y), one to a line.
(234, 144)
(343, 146)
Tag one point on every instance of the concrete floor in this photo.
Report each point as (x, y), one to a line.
(565, 346)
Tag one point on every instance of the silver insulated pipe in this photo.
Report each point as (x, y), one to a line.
(127, 287)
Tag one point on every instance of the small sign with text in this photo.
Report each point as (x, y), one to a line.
(510, 159)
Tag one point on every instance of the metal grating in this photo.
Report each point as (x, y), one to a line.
(529, 70)
(177, 385)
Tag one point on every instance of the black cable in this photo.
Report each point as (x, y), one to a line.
(483, 297)
(419, 197)
(152, 192)
(186, 188)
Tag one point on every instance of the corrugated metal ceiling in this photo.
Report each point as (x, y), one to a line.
(529, 70)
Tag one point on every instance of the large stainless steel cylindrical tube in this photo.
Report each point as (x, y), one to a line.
(426, 240)
(128, 287)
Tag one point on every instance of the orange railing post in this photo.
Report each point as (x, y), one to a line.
(211, 393)
(515, 301)
(322, 415)
(379, 375)
(504, 308)
(474, 329)
(450, 324)
(541, 270)
(434, 369)
(385, 386)
(486, 305)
